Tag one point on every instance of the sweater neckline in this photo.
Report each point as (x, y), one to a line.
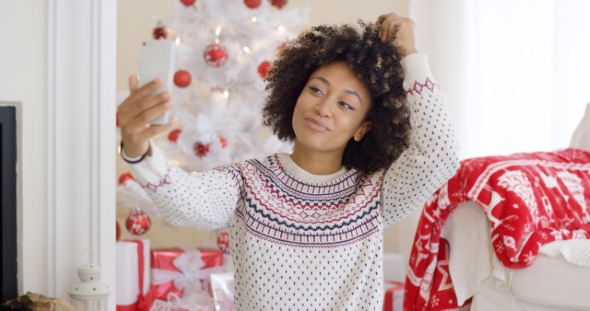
(294, 170)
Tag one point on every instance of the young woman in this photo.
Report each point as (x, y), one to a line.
(372, 141)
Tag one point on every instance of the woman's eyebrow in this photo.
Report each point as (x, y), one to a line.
(349, 91)
(321, 79)
(353, 92)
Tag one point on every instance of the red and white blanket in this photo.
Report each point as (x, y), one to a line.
(530, 199)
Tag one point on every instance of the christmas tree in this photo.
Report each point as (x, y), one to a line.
(224, 50)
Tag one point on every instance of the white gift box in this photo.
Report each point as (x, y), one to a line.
(128, 271)
(393, 267)
(222, 286)
(228, 263)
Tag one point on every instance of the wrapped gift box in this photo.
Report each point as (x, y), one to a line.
(222, 286)
(176, 271)
(130, 256)
(200, 301)
(394, 296)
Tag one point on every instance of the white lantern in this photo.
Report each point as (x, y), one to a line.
(90, 294)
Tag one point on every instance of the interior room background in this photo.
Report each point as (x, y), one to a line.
(513, 73)
(516, 73)
(135, 23)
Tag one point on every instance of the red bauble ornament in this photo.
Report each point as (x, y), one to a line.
(188, 2)
(159, 32)
(182, 78)
(252, 3)
(278, 3)
(215, 55)
(173, 136)
(263, 68)
(118, 231)
(125, 177)
(222, 141)
(138, 222)
(223, 241)
(201, 149)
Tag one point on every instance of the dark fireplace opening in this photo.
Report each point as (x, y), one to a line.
(8, 243)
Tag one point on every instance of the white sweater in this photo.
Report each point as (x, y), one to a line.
(306, 242)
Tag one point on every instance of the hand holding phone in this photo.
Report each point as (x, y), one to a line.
(145, 113)
(157, 61)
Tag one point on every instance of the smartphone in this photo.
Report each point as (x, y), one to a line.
(157, 60)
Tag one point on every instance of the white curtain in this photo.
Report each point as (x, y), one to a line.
(516, 72)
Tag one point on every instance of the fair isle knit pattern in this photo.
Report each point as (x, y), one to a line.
(285, 210)
(307, 242)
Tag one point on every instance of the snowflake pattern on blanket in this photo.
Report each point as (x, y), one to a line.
(530, 199)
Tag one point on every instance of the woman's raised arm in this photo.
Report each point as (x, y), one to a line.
(205, 200)
(432, 157)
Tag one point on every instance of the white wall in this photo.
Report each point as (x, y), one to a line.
(519, 85)
(22, 79)
(58, 60)
(571, 76)
(81, 63)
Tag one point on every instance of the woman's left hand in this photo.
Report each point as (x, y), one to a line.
(402, 27)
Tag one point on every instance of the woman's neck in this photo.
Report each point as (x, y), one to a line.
(317, 162)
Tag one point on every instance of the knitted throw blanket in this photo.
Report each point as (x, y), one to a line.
(530, 199)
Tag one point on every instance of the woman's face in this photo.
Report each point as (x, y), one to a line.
(331, 109)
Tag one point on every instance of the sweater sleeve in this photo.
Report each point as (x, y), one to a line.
(431, 159)
(205, 200)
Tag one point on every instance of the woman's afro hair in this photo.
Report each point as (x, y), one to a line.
(375, 63)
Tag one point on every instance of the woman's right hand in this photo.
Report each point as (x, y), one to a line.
(402, 27)
(136, 113)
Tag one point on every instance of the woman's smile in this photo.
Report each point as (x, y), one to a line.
(316, 125)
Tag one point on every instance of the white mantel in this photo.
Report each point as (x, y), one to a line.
(58, 60)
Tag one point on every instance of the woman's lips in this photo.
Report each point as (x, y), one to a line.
(316, 125)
